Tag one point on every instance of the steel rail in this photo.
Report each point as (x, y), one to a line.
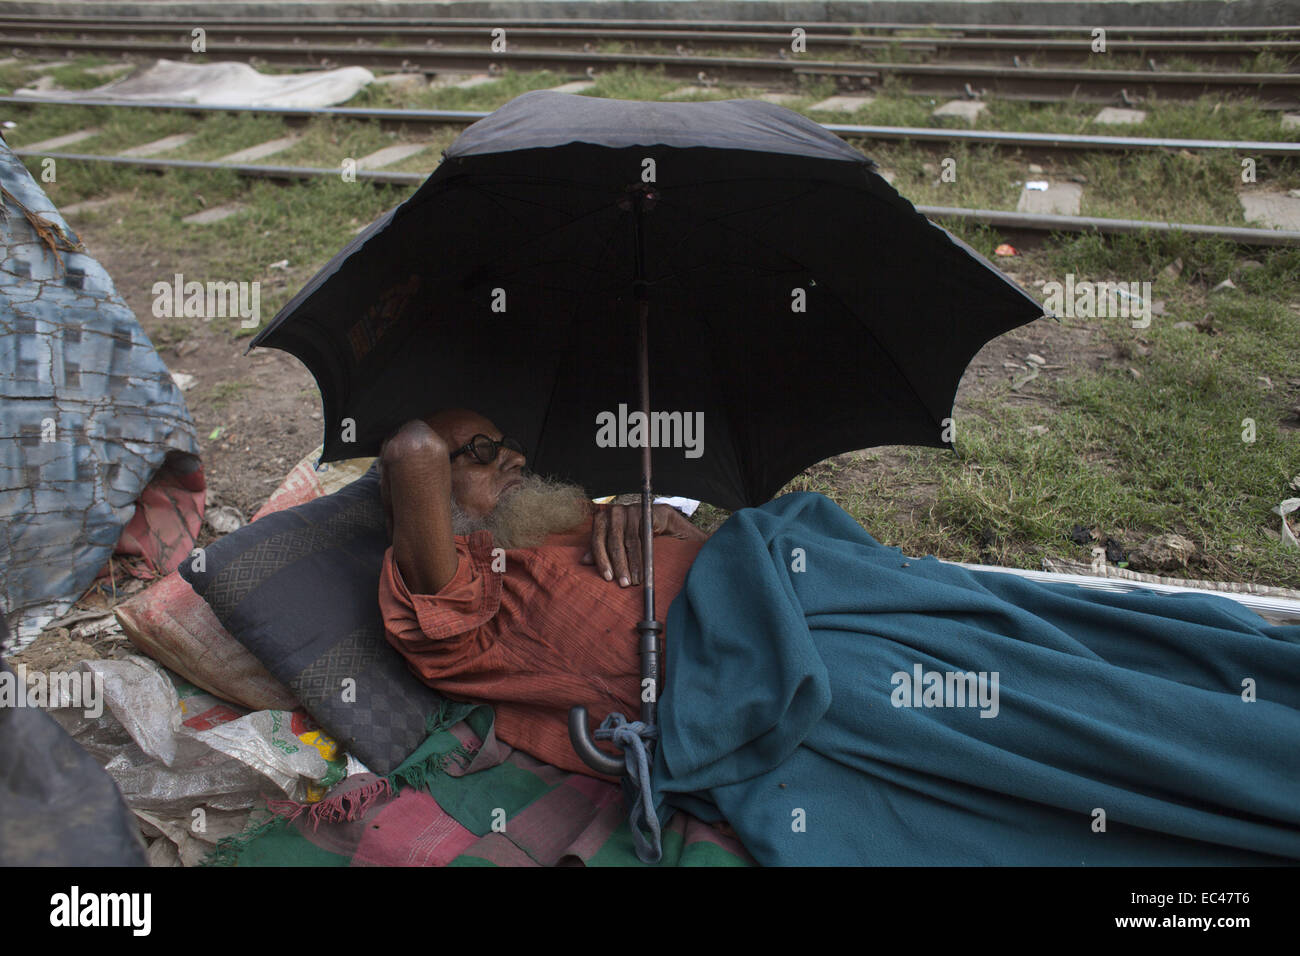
(1009, 139)
(784, 27)
(1028, 222)
(1037, 222)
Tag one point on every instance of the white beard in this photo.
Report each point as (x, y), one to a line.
(527, 514)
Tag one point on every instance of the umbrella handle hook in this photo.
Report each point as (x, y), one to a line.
(585, 746)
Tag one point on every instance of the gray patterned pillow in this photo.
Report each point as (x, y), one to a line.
(300, 589)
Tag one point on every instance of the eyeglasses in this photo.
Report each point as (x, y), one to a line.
(485, 449)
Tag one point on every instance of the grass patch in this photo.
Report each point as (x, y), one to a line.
(69, 74)
(223, 393)
(73, 76)
(220, 135)
(168, 334)
(489, 96)
(629, 84)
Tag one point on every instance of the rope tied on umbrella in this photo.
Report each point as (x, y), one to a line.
(631, 738)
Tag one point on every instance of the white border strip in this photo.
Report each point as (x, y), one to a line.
(1278, 607)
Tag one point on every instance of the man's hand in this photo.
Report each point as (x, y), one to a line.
(616, 539)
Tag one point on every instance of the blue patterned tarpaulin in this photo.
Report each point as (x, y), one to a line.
(89, 411)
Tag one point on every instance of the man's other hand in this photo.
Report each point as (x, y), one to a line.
(616, 539)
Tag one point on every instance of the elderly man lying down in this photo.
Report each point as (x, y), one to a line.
(835, 701)
(547, 632)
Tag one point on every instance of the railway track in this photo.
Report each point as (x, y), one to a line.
(1274, 90)
(1005, 50)
(837, 28)
(1014, 223)
(245, 42)
(1030, 143)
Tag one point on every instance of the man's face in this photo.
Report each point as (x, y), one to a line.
(477, 487)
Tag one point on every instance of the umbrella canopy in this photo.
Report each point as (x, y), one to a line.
(798, 306)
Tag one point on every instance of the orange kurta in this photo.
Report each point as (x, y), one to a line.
(534, 640)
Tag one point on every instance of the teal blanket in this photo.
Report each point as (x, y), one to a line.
(840, 703)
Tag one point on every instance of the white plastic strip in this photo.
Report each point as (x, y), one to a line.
(1275, 607)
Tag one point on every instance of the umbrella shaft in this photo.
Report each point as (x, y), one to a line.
(649, 627)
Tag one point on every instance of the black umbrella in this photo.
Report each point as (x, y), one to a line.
(790, 305)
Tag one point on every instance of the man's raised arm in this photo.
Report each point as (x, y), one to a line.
(415, 484)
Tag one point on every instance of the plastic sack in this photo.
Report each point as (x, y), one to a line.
(189, 765)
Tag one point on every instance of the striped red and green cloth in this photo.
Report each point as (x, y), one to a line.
(466, 799)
